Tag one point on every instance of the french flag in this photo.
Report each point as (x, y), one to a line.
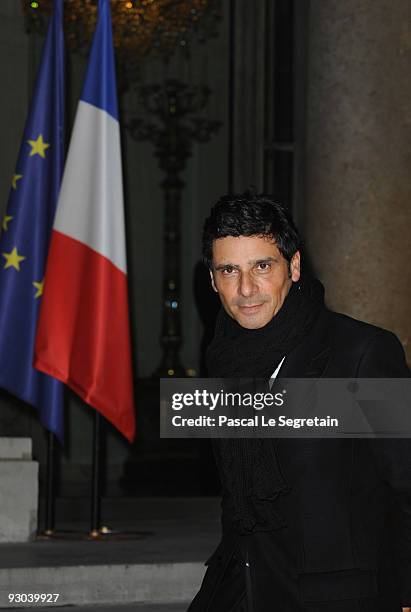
(83, 332)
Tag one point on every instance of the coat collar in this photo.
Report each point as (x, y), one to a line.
(310, 358)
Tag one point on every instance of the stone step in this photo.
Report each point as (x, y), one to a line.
(160, 564)
(162, 583)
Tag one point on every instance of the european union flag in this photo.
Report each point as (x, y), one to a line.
(26, 229)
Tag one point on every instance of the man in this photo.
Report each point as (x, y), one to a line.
(308, 524)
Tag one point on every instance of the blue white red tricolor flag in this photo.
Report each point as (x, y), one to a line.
(83, 335)
(26, 229)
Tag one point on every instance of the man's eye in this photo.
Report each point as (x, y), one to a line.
(263, 266)
(228, 270)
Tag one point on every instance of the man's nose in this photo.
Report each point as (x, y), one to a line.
(247, 285)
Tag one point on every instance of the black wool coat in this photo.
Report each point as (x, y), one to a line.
(346, 542)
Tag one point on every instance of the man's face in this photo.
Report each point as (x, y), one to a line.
(252, 278)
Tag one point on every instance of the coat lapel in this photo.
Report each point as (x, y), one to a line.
(310, 358)
(307, 361)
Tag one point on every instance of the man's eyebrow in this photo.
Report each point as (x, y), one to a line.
(226, 265)
(251, 262)
(263, 260)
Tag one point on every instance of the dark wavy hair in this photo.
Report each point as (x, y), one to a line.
(250, 214)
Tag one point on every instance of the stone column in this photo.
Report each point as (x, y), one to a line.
(358, 214)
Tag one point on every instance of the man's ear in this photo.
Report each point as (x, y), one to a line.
(295, 267)
(212, 281)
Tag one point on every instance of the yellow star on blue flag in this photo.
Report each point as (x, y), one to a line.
(13, 259)
(39, 285)
(16, 177)
(6, 221)
(38, 146)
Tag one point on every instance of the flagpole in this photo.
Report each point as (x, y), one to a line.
(96, 478)
(50, 485)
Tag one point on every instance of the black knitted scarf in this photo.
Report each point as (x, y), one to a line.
(249, 470)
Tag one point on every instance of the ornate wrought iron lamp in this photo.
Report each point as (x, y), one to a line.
(173, 128)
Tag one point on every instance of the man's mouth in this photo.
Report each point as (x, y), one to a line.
(250, 309)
